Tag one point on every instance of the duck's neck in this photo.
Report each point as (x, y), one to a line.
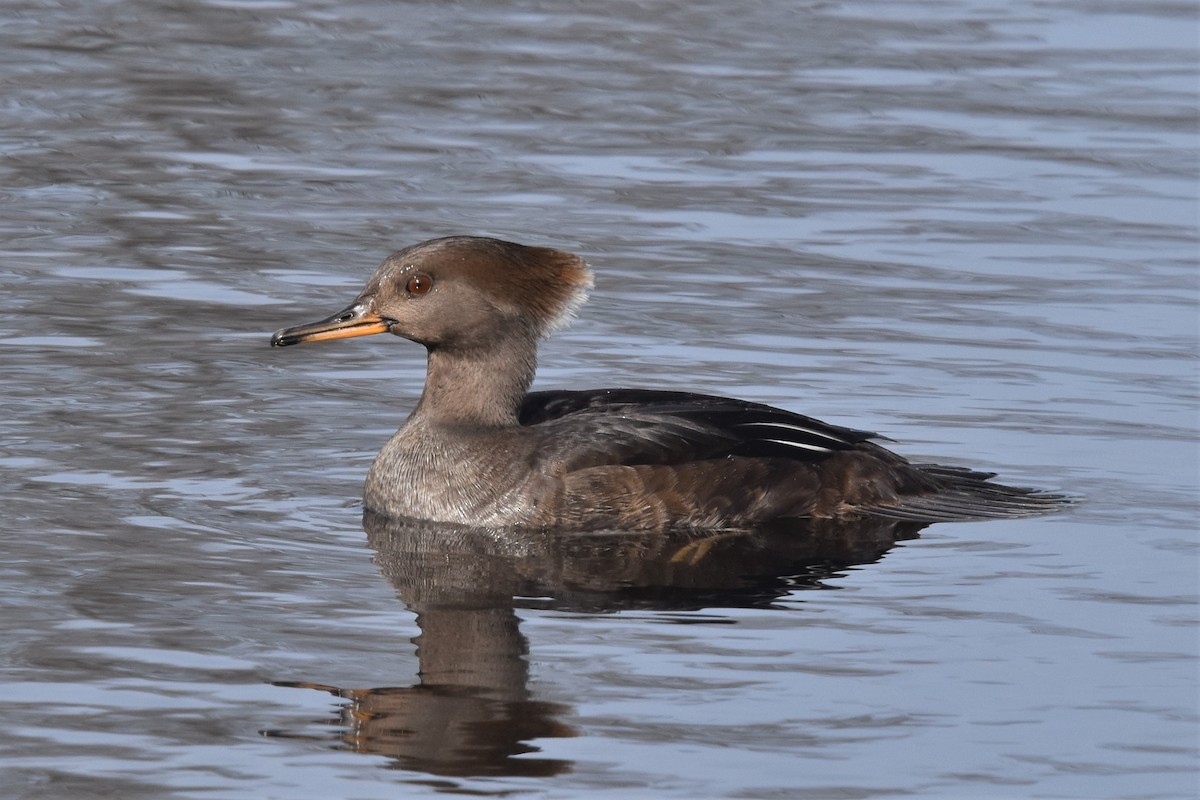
(477, 387)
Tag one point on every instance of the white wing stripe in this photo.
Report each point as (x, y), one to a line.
(814, 447)
(785, 426)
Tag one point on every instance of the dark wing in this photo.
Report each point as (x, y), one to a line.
(634, 426)
(797, 466)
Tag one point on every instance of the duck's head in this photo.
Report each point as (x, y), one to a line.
(460, 291)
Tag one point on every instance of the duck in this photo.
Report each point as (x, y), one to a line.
(480, 449)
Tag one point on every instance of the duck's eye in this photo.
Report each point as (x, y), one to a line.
(418, 284)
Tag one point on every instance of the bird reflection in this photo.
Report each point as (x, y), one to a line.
(471, 712)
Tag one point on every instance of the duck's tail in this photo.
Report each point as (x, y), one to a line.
(964, 495)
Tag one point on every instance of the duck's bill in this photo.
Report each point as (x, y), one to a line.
(352, 321)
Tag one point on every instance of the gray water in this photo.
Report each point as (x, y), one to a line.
(970, 226)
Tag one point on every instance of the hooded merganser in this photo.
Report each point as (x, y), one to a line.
(480, 449)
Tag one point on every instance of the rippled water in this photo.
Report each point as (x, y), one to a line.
(970, 226)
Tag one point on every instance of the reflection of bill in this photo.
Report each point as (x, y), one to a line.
(471, 713)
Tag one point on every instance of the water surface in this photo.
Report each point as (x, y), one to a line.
(969, 226)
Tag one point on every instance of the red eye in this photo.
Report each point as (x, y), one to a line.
(418, 284)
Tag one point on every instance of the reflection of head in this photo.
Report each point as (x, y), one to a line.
(449, 730)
